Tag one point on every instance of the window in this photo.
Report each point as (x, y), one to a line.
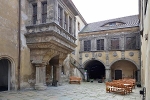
(87, 45)
(146, 1)
(44, 12)
(112, 23)
(60, 15)
(78, 26)
(65, 21)
(100, 44)
(130, 42)
(34, 17)
(114, 43)
(70, 25)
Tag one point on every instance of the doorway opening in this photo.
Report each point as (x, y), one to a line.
(118, 74)
(4, 75)
(51, 71)
(95, 70)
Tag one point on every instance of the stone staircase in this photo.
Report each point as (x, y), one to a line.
(78, 66)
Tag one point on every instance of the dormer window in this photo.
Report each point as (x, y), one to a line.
(112, 24)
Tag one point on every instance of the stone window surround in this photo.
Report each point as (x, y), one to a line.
(88, 43)
(100, 47)
(112, 39)
(107, 41)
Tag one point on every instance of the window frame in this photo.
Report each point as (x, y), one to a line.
(132, 44)
(115, 47)
(70, 25)
(44, 13)
(65, 21)
(87, 45)
(100, 45)
(60, 9)
(34, 14)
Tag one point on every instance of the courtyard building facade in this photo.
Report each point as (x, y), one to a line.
(44, 42)
(111, 49)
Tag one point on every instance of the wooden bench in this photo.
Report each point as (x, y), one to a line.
(74, 79)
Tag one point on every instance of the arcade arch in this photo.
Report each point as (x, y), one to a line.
(124, 69)
(95, 69)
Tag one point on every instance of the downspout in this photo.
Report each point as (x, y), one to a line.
(19, 44)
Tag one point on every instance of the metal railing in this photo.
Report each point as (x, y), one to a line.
(77, 65)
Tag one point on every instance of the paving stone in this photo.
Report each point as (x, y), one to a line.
(85, 91)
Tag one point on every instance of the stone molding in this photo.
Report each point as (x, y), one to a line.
(83, 64)
(137, 66)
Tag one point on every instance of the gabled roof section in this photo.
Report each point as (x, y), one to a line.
(112, 24)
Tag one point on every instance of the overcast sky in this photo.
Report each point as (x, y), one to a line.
(98, 10)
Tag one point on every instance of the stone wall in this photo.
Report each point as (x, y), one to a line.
(9, 36)
(145, 46)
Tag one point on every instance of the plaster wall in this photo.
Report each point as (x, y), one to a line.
(27, 71)
(145, 50)
(9, 36)
(128, 69)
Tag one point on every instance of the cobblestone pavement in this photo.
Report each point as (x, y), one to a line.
(84, 91)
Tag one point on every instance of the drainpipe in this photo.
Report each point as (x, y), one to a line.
(19, 44)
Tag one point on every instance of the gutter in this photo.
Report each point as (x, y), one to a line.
(19, 44)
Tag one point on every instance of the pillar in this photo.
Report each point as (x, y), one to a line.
(40, 77)
(59, 74)
(39, 11)
(54, 83)
(108, 74)
(139, 76)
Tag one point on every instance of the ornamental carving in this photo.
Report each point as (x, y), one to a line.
(114, 54)
(131, 54)
(100, 54)
(86, 55)
(107, 57)
(30, 31)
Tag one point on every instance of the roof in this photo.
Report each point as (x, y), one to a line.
(126, 22)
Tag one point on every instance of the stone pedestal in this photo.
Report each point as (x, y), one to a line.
(40, 77)
(108, 75)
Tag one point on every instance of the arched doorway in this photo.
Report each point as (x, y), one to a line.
(95, 70)
(4, 75)
(123, 69)
(51, 71)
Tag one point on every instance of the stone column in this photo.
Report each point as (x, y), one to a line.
(54, 83)
(40, 77)
(108, 74)
(139, 76)
(68, 22)
(39, 10)
(58, 71)
(74, 29)
(63, 18)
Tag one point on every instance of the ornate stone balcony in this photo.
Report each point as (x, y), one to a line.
(44, 35)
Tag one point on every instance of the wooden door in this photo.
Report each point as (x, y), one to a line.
(118, 74)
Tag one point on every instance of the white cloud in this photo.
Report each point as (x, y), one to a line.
(97, 10)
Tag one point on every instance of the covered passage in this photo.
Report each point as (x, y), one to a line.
(95, 70)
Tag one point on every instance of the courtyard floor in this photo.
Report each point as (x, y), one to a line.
(84, 91)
